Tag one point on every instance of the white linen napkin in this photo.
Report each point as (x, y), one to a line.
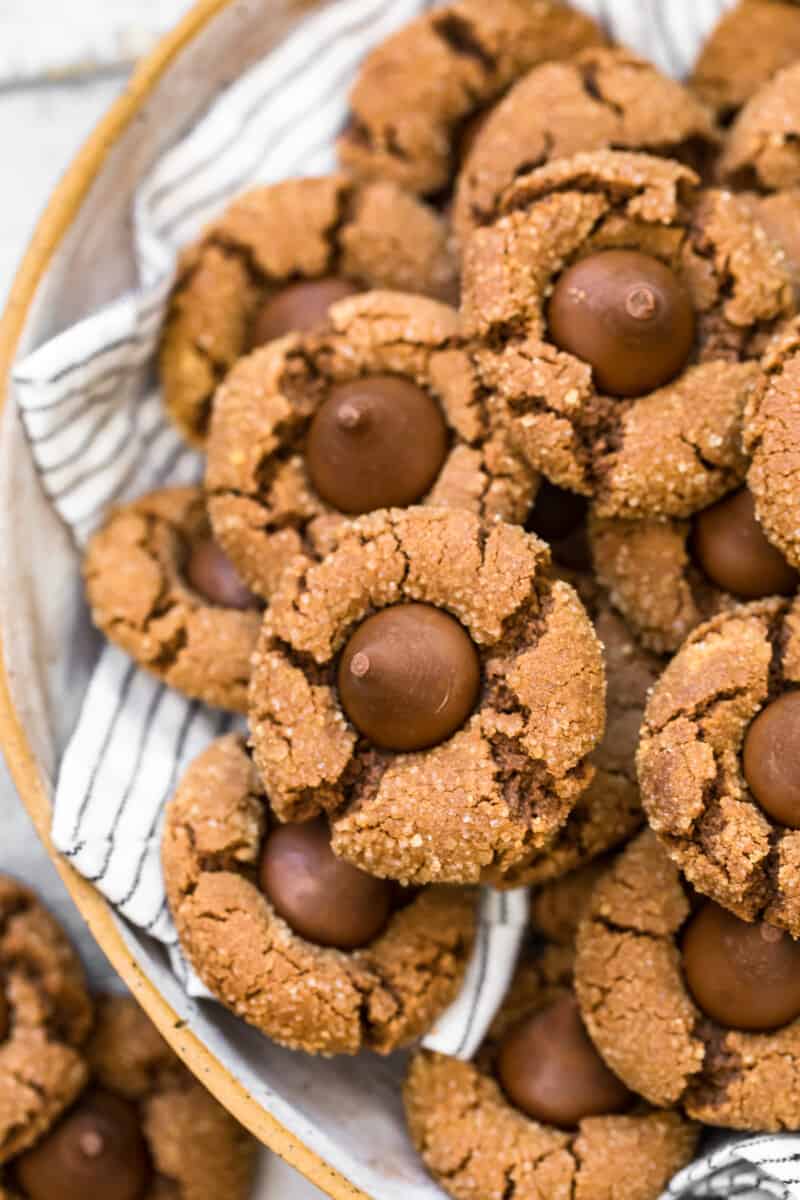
(98, 436)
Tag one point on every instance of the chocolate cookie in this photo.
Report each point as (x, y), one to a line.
(686, 1003)
(717, 761)
(382, 409)
(610, 810)
(417, 91)
(274, 262)
(778, 213)
(144, 1129)
(161, 588)
(761, 149)
(318, 956)
(666, 577)
(601, 99)
(559, 906)
(45, 1015)
(538, 1112)
(750, 43)
(414, 614)
(642, 412)
(771, 430)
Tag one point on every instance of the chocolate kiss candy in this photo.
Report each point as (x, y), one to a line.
(97, 1150)
(771, 759)
(409, 677)
(211, 573)
(549, 1068)
(321, 897)
(628, 316)
(376, 442)
(730, 546)
(743, 976)
(298, 308)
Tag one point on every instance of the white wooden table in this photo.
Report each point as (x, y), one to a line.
(61, 65)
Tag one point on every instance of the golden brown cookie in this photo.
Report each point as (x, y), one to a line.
(778, 213)
(559, 906)
(771, 438)
(700, 789)
(271, 238)
(750, 43)
(144, 571)
(282, 461)
(475, 1142)
(482, 802)
(699, 278)
(610, 810)
(761, 150)
(45, 1015)
(417, 90)
(603, 98)
(302, 994)
(631, 983)
(143, 1130)
(653, 579)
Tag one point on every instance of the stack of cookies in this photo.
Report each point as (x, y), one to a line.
(497, 550)
(92, 1102)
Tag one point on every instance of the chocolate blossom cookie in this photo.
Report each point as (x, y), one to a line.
(418, 90)
(642, 412)
(718, 761)
(538, 1113)
(45, 1016)
(688, 1004)
(382, 409)
(761, 150)
(316, 954)
(143, 1130)
(749, 44)
(160, 587)
(603, 98)
(432, 690)
(275, 261)
(666, 577)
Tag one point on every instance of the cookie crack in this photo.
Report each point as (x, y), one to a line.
(459, 36)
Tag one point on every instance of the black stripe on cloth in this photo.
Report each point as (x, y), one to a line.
(78, 451)
(481, 947)
(192, 711)
(144, 732)
(87, 404)
(124, 366)
(312, 60)
(84, 477)
(97, 510)
(61, 374)
(122, 696)
(231, 186)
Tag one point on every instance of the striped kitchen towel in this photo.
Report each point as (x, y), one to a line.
(98, 436)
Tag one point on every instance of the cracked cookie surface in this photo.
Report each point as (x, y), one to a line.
(653, 580)
(693, 785)
(724, 77)
(668, 452)
(197, 1150)
(262, 503)
(475, 1143)
(483, 803)
(317, 999)
(761, 150)
(45, 1014)
(772, 439)
(603, 98)
(417, 90)
(641, 1017)
(374, 235)
(140, 598)
(610, 810)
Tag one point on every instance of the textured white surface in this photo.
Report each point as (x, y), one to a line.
(40, 38)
